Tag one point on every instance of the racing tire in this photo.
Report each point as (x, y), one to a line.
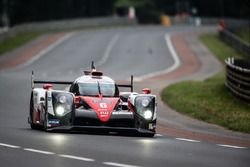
(32, 125)
(45, 127)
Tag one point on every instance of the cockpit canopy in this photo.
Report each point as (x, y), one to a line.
(106, 89)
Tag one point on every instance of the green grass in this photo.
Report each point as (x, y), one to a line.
(244, 34)
(210, 100)
(219, 48)
(16, 41)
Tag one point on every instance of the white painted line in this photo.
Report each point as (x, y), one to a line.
(168, 70)
(173, 53)
(76, 157)
(158, 135)
(8, 145)
(38, 151)
(108, 50)
(47, 50)
(189, 140)
(231, 146)
(118, 164)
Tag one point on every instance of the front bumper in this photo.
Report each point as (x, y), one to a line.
(120, 121)
(117, 119)
(74, 128)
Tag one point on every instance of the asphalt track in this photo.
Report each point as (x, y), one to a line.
(118, 52)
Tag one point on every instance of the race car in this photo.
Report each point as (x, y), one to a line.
(93, 102)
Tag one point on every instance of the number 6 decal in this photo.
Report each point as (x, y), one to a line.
(103, 105)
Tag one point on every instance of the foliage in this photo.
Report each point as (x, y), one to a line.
(22, 11)
(43, 10)
(128, 3)
(146, 10)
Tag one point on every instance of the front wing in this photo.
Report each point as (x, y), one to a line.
(119, 122)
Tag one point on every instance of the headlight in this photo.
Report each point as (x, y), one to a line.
(145, 102)
(62, 99)
(60, 110)
(148, 114)
(145, 106)
(63, 103)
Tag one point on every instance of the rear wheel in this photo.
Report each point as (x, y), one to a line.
(45, 127)
(32, 125)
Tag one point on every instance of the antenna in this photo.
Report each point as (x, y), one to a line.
(93, 66)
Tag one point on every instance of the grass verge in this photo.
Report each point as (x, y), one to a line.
(210, 100)
(244, 34)
(16, 41)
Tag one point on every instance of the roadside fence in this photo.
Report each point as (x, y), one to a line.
(235, 42)
(238, 77)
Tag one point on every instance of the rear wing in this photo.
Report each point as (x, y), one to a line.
(131, 85)
(34, 81)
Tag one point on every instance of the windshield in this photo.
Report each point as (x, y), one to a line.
(93, 89)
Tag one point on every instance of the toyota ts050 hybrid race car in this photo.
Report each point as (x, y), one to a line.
(92, 102)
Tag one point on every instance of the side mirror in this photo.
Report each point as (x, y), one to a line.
(146, 91)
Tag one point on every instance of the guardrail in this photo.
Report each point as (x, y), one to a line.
(235, 42)
(238, 77)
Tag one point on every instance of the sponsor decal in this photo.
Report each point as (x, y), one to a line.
(54, 121)
(49, 98)
(106, 101)
(102, 106)
(104, 113)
